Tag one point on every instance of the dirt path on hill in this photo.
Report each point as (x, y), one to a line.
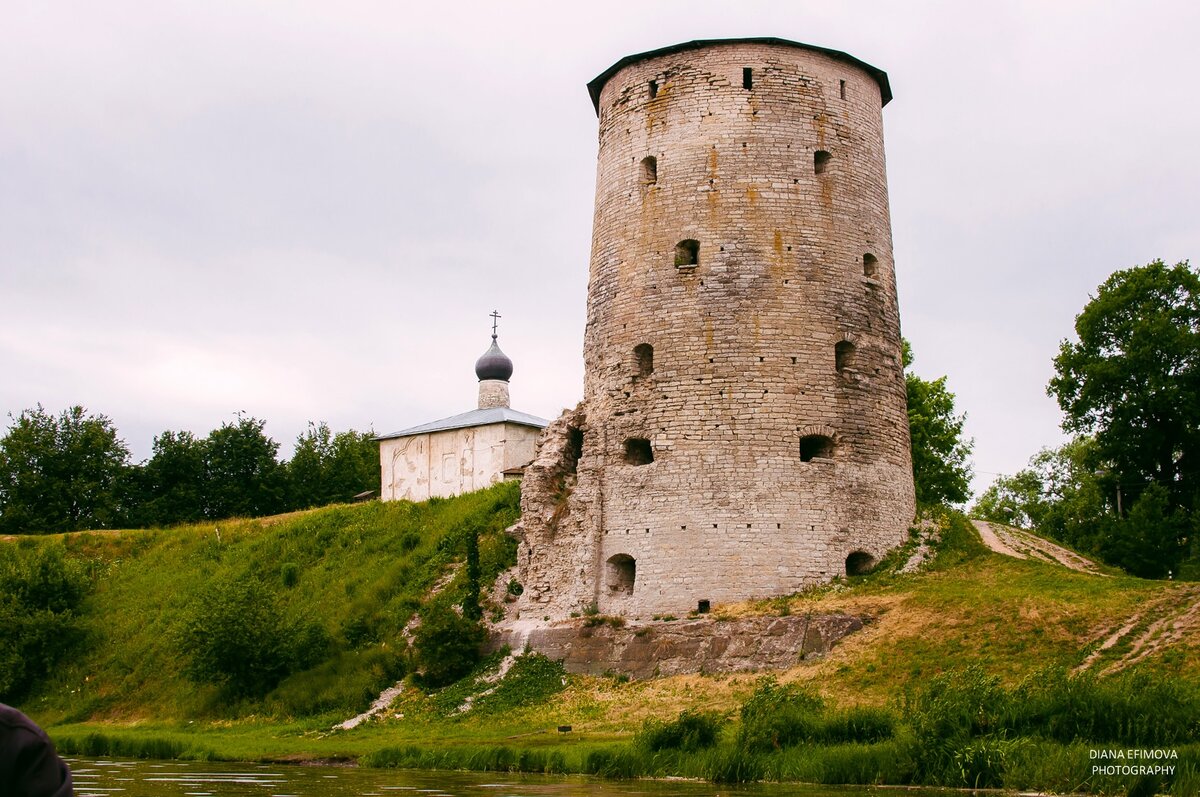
(1022, 545)
(1156, 625)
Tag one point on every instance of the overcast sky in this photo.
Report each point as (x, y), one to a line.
(306, 211)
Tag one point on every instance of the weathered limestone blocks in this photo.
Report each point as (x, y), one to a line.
(707, 645)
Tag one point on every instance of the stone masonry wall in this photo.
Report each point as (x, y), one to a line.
(744, 424)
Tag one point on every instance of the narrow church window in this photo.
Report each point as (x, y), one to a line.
(869, 264)
(653, 89)
(643, 355)
(821, 159)
(815, 445)
(687, 253)
(859, 563)
(649, 170)
(747, 78)
(843, 355)
(621, 573)
(638, 451)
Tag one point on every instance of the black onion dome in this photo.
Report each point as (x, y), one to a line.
(494, 364)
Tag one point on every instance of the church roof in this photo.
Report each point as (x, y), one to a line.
(472, 418)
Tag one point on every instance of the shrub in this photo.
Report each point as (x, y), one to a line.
(446, 645)
(40, 593)
(690, 731)
(234, 634)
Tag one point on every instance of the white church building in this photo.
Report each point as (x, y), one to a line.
(464, 452)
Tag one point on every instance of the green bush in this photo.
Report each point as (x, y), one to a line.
(690, 731)
(40, 594)
(446, 645)
(234, 634)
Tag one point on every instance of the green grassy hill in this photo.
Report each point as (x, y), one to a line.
(977, 633)
(345, 578)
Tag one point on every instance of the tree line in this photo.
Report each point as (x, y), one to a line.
(72, 471)
(1126, 487)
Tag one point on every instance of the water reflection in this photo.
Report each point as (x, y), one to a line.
(118, 778)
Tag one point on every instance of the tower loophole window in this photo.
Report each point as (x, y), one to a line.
(638, 451)
(747, 78)
(687, 253)
(620, 574)
(821, 160)
(649, 170)
(643, 357)
(859, 563)
(815, 445)
(870, 265)
(843, 355)
(653, 89)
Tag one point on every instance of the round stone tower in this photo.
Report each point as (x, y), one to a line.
(744, 430)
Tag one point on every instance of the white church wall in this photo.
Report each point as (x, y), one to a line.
(454, 461)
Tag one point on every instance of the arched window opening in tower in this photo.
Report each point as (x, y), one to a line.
(649, 170)
(687, 253)
(643, 356)
(620, 574)
(747, 78)
(653, 89)
(821, 160)
(870, 264)
(815, 445)
(843, 355)
(859, 563)
(638, 451)
(574, 449)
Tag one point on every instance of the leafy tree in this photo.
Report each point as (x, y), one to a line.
(326, 468)
(1133, 379)
(61, 473)
(1061, 494)
(1012, 500)
(1065, 495)
(941, 471)
(242, 476)
(173, 480)
(1149, 542)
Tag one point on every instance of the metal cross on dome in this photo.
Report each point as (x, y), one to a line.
(495, 320)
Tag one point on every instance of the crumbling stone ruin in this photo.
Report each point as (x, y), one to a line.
(743, 431)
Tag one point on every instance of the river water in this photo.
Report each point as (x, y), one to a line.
(107, 777)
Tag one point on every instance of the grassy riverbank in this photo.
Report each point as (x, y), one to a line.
(982, 639)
